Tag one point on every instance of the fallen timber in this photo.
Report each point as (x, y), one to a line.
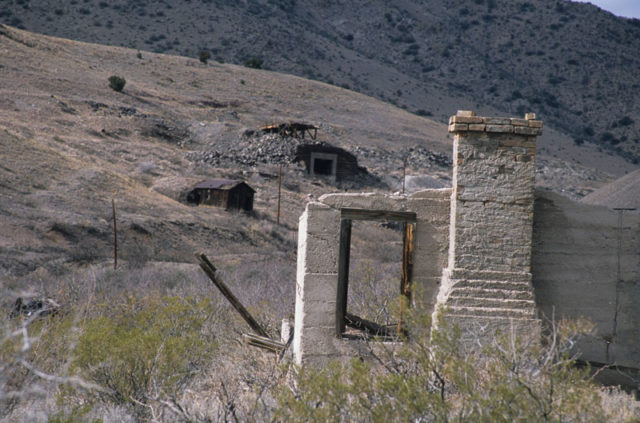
(210, 270)
(262, 342)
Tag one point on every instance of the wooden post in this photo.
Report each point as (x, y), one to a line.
(407, 270)
(343, 275)
(115, 235)
(210, 270)
(279, 192)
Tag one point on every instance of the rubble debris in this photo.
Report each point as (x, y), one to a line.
(38, 307)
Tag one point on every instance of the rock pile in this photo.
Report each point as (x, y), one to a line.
(256, 148)
(250, 150)
(417, 158)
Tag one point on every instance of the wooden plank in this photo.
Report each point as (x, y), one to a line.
(372, 328)
(343, 276)
(364, 214)
(262, 342)
(210, 270)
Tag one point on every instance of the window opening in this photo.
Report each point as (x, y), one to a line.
(322, 166)
(382, 222)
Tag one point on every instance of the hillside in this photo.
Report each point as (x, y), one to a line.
(155, 333)
(70, 145)
(622, 193)
(572, 63)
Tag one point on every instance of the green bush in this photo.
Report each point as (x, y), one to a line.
(145, 349)
(75, 415)
(444, 379)
(117, 83)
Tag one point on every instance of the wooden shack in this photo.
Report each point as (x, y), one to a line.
(324, 160)
(225, 193)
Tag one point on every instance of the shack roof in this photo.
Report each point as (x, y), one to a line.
(223, 184)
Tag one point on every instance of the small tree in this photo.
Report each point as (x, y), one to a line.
(204, 56)
(117, 82)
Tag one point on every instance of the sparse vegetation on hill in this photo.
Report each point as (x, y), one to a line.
(571, 63)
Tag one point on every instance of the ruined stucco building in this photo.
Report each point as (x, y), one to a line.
(497, 253)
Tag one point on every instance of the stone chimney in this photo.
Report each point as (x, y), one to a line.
(486, 286)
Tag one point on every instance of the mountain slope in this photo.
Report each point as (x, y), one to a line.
(69, 145)
(621, 193)
(572, 63)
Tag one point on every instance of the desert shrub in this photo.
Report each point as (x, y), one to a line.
(33, 349)
(144, 350)
(588, 131)
(625, 121)
(254, 62)
(117, 83)
(423, 112)
(75, 415)
(443, 378)
(204, 56)
(607, 137)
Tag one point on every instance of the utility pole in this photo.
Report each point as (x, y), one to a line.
(279, 192)
(115, 235)
(404, 172)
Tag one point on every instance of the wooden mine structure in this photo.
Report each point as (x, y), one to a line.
(291, 129)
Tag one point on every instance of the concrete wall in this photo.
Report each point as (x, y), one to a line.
(586, 263)
(315, 338)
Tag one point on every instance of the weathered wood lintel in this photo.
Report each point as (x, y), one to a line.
(364, 214)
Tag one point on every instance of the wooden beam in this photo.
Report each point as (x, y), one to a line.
(263, 342)
(210, 270)
(372, 328)
(364, 214)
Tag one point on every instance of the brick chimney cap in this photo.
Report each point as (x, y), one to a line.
(467, 113)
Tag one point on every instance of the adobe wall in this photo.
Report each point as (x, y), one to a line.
(315, 339)
(586, 263)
